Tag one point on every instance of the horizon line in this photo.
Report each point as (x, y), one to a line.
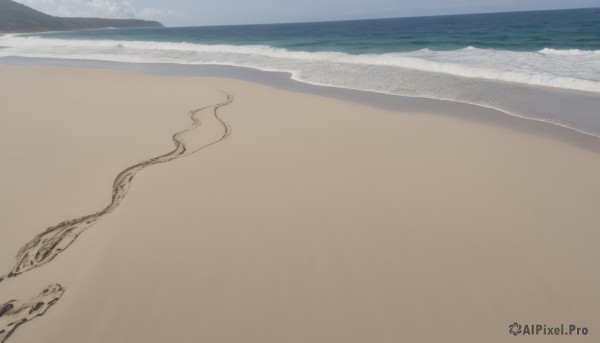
(383, 18)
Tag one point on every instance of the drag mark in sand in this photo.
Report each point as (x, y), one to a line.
(15, 313)
(44, 247)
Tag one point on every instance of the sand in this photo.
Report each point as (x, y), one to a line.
(315, 220)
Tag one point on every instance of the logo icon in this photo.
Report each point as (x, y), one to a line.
(515, 328)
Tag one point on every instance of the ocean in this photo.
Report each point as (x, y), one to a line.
(540, 65)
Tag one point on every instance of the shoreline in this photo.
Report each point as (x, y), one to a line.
(389, 102)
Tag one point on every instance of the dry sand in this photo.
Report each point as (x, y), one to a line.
(315, 221)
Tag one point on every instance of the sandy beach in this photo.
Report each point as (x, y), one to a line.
(311, 220)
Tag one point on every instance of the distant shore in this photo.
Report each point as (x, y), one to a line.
(251, 213)
(17, 17)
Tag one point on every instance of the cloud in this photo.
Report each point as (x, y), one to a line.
(161, 14)
(84, 8)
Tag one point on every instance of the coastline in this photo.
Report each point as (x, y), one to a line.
(388, 102)
(317, 220)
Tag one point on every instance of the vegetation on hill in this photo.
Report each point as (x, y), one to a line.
(15, 17)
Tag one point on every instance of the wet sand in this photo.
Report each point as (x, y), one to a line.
(315, 220)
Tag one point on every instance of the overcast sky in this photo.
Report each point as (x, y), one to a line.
(224, 12)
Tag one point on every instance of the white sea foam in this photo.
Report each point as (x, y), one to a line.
(470, 75)
(566, 69)
(570, 52)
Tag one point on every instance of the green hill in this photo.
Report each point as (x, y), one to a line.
(15, 17)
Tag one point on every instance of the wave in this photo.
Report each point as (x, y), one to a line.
(564, 69)
(570, 52)
(566, 83)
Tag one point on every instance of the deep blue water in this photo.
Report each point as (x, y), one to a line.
(517, 31)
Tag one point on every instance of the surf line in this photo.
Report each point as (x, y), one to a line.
(44, 247)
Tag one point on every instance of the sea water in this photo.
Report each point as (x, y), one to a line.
(541, 65)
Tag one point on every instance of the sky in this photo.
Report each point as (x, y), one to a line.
(228, 12)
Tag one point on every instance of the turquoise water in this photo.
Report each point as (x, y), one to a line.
(542, 65)
(517, 31)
